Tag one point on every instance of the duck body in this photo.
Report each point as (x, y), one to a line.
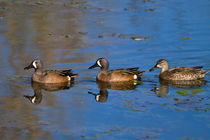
(52, 76)
(117, 75)
(49, 76)
(179, 73)
(183, 73)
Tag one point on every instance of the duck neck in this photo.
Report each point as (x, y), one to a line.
(38, 71)
(165, 68)
(104, 69)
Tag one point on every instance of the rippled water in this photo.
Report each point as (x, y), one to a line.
(129, 33)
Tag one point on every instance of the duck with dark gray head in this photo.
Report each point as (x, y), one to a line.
(117, 75)
(49, 76)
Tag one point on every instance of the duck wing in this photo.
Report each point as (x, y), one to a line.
(128, 71)
(186, 69)
(61, 72)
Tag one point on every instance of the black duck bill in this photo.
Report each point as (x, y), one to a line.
(152, 69)
(29, 66)
(93, 66)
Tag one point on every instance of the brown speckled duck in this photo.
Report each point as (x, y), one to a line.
(49, 76)
(117, 75)
(178, 73)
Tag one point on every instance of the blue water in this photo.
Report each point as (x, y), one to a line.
(65, 34)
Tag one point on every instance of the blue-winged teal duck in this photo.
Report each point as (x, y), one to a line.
(49, 76)
(38, 87)
(101, 96)
(117, 75)
(178, 73)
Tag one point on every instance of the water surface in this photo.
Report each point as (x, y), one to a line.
(129, 33)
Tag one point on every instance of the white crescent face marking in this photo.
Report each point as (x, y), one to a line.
(34, 64)
(33, 100)
(98, 62)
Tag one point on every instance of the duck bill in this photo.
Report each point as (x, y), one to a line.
(28, 67)
(153, 68)
(93, 66)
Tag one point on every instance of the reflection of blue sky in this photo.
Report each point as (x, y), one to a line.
(166, 25)
(129, 114)
(5, 50)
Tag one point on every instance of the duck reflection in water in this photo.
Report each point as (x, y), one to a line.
(180, 77)
(186, 84)
(38, 87)
(102, 96)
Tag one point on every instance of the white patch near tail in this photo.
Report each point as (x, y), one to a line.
(69, 78)
(135, 76)
(33, 100)
(97, 97)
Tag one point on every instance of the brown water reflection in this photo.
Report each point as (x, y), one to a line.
(37, 87)
(17, 118)
(68, 34)
(186, 84)
(50, 32)
(102, 96)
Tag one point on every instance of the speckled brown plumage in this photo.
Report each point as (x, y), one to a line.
(178, 73)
